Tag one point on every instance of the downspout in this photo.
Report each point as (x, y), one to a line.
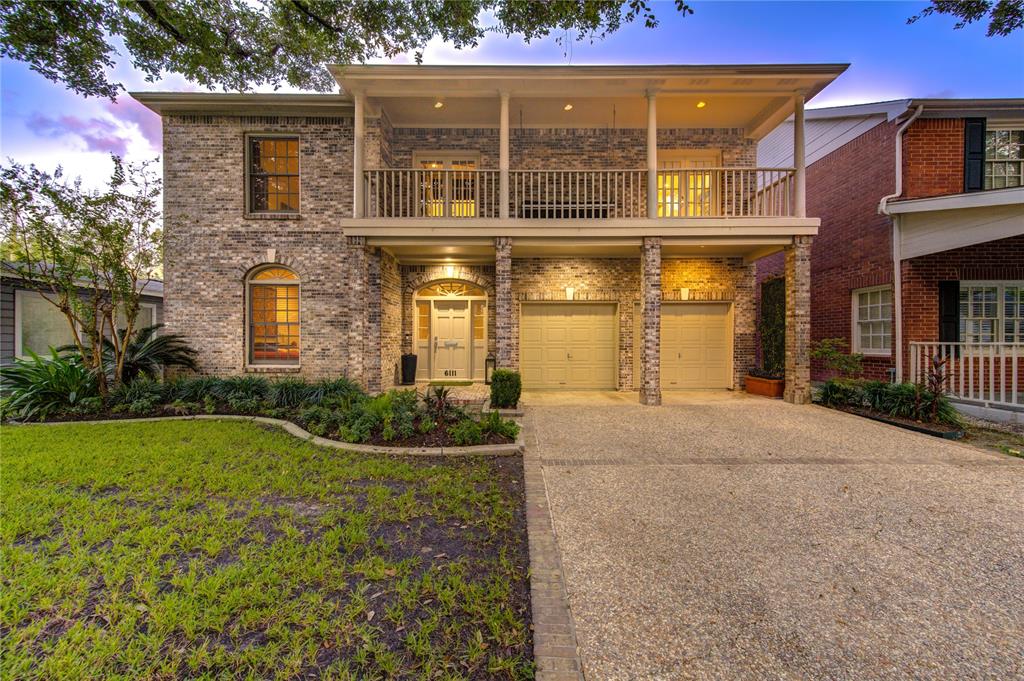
(897, 253)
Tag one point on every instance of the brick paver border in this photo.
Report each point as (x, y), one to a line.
(555, 649)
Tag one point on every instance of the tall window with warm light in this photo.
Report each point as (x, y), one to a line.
(273, 313)
(273, 174)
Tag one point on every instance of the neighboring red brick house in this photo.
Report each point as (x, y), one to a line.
(953, 218)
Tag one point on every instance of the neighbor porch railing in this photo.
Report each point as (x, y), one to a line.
(982, 372)
(575, 194)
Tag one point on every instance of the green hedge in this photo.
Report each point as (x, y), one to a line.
(506, 387)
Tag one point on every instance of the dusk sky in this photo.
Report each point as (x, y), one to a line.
(43, 123)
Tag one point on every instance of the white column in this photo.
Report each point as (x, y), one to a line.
(503, 162)
(359, 133)
(799, 157)
(652, 155)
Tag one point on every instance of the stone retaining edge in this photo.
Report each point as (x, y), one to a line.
(514, 448)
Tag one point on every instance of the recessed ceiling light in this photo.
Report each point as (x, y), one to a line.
(701, 104)
(438, 104)
(567, 107)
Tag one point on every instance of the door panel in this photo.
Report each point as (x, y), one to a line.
(451, 339)
(696, 346)
(568, 346)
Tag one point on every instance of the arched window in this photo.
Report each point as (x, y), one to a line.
(273, 316)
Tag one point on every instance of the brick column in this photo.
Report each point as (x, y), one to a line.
(503, 317)
(650, 303)
(357, 292)
(372, 346)
(798, 321)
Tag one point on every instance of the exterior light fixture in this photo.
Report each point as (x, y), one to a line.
(489, 364)
(567, 107)
(701, 104)
(570, 293)
(438, 104)
(684, 294)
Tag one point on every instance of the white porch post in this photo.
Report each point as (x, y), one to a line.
(799, 157)
(359, 134)
(652, 155)
(503, 158)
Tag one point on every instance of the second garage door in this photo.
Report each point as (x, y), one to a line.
(696, 346)
(568, 346)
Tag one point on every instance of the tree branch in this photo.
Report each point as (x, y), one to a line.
(149, 9)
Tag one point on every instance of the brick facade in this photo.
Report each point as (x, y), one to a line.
(933, 158)
(798, 320)
(853, 248)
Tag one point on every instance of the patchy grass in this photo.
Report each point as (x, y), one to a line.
(1005, 441)
(222, 549)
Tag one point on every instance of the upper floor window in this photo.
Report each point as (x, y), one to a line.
(1004, 158)
(273, 174)
(872, 320)
(274, 316)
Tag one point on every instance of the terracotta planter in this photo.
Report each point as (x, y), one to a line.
(767, 387)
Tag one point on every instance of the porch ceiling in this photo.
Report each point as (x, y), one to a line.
(754, 97)
(437, 251)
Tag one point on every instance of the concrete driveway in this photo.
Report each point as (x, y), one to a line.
(730, 537)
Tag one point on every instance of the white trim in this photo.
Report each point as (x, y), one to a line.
(982, 199)
(999, 325)
(856, 321)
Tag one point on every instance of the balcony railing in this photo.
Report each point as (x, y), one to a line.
(981, 372)
(575, 194)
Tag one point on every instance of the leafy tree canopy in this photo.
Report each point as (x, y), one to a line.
(241, 44)
(1004, 16)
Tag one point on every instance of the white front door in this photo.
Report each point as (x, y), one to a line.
(451, 339)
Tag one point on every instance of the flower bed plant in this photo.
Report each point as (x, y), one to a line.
(908, 402)
(58, 389)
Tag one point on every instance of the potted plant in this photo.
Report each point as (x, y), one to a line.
(769, 378)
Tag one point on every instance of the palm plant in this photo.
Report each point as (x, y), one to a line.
(146, 354)
(37, 387)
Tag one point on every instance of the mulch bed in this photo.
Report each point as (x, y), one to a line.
(934, 429)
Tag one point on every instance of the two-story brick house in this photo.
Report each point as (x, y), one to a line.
(921, 248)
(593, 227)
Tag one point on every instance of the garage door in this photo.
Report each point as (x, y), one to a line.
(696, 346)
(568, 346)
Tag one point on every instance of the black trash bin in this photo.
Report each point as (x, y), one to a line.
(408, 369)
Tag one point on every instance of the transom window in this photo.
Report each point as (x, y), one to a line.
(1004, 158)
(274, 316)
(450, 289)
(992, 312)
(872, 320)
(273, 174)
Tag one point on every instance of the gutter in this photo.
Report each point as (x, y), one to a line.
(897, 255)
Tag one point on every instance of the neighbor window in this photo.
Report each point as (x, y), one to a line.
(1004, 158)
(146, 317)
(38, 325)
(274, 316)
(992, 311)
(273, 167)
(872, 320)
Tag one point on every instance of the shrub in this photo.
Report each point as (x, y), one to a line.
(875, 394)
(439, 405)
(493, 423)
(841, 392)
(506, 388)
(241, 388)
(37, 387)
(143, 389)
(466, 432)
(832, 351)
(289, 392)
(321, 420)
(194, 389)
(341, 392)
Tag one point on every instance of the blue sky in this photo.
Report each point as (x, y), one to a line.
(43, 123)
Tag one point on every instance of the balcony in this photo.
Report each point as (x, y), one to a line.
(579, 194)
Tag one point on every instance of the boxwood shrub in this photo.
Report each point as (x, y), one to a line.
(506, 387)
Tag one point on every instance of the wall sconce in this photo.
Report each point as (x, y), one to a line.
(489, 365)
(570, 293)
(684, 294)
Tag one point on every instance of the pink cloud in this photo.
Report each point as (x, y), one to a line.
(98, 134)
(130, 111)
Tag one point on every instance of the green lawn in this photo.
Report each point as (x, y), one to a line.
(208, 549)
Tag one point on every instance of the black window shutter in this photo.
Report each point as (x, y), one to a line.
(974, 154)
(949, 311)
